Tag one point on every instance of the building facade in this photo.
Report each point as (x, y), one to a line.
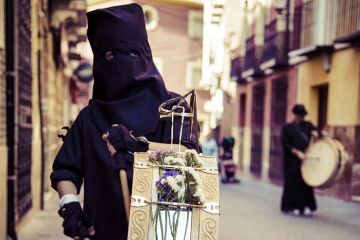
(295, 51)
(38, 47)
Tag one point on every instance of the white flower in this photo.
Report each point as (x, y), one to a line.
(181, 193)
(199, 193)
(168, 159)
(195, 175)
(192, 151)
(173, 184)
(180, 161)
(180, 179)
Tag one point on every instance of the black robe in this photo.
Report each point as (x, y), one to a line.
(128, 89)
(296, 193)
(84, 158)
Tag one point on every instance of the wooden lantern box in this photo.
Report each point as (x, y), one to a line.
(202, 223)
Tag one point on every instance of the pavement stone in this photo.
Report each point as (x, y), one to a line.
(249, 211)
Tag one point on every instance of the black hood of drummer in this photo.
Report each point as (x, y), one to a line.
(122, 55)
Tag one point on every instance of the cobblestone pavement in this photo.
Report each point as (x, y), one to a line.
(249, 211)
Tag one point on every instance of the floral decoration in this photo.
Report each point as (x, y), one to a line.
(179, 184)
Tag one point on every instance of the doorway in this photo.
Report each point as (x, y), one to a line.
(322, 106)
(257, 126)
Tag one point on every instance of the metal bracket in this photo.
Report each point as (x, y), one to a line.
(139, 201)
(211, 170)
(212, 207)
(141, 165)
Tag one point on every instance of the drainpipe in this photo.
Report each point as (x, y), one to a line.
(10, 113)
(42, 138)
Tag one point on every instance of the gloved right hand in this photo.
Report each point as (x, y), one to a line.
(118, 137)
(77, 224)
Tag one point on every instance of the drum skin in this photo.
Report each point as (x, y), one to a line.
(323, 163)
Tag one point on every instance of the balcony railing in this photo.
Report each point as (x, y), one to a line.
(308, 25)
(348, 21)
(236, 69)
(252, 58)
(296, 33)
(275, 47)
(314, 22)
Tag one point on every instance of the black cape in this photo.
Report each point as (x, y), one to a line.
(128, 89)
(84, 158)
(296, 193)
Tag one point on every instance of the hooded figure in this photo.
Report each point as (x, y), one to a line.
(128, 90)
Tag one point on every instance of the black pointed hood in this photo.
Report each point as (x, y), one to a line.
(128, 88)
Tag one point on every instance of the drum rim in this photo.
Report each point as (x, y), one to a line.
(335, 145)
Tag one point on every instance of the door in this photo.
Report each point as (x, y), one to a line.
(278, 118)
(242, 112)
(257, 125)
(19, 105)
(323, 102)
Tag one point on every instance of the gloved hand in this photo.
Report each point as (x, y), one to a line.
(77, 224)
(120, 138)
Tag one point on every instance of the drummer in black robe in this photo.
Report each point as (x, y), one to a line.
(128, 90)
(297, 198)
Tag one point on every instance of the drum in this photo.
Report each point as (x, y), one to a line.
(324, 161)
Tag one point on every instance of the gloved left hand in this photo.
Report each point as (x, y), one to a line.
(77, 224)
(121, 138)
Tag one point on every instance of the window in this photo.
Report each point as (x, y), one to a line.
(195, 24)
(193, 74)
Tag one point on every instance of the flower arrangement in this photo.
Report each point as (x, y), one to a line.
(178, 183)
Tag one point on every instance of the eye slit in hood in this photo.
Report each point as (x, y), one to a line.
(134, 53)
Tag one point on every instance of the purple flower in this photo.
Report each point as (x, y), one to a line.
(163, 186)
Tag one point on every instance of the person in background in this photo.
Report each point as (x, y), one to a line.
(297, 197)
(122, 118)
(229, 167)
(210, 147)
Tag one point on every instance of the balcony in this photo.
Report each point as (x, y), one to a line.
(314, 25)
(252, 59)
(275, 52)
(348, 21)
(236, 68)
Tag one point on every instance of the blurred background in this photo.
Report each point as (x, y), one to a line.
(249, 60)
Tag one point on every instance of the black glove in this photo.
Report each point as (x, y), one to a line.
(76, 222)
(123, 139)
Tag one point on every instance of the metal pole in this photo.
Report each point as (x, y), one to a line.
(287, 31)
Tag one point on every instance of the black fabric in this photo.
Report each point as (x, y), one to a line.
(296, 193)
(128, 90)
(84, 155)
(119, 137)
(126, 81)
(76, 222)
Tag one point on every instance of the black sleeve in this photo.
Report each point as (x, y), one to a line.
(312, 127)
(68, 164)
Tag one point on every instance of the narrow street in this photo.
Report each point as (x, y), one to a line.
(249, 211)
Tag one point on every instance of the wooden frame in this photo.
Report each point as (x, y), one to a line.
(204, 218)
